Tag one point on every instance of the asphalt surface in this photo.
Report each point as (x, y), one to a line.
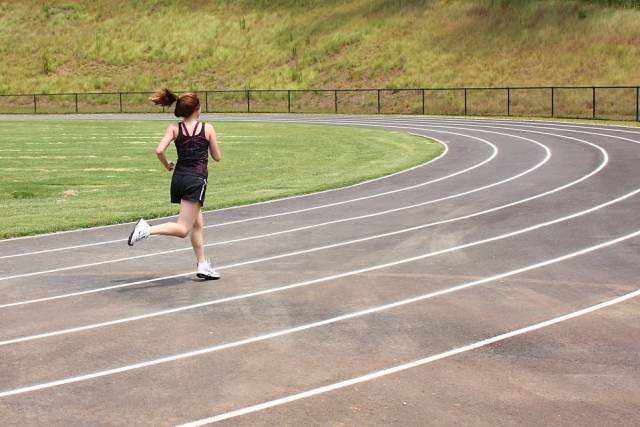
(493, 286)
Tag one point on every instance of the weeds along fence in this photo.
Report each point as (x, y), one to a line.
(593, 102)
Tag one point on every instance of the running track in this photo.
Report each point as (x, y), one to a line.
(495, 285)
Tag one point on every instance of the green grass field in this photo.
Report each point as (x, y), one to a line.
(68, 174)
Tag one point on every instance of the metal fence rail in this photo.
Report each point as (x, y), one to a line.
(585, 102)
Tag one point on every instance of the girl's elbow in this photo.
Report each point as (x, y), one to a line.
(159, 151)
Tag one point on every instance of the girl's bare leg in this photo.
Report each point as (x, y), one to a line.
(197, 238)
(189, 212)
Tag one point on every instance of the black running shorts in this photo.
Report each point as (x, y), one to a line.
(188, 187)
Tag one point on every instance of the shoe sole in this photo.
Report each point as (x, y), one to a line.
(205, 277)
(133, 231)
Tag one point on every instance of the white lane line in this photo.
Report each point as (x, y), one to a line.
(503, 124)
(65, 248)
(445, 152)
(398, 368)
(422, 184)
(557, 125)
(525, 127)
(280, 333)
(320, 280)
(552, 125)
(79, 293)
(453, 119)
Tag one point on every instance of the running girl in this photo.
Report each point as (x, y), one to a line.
(194, 140)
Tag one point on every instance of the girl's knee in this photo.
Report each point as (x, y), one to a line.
(183, 231)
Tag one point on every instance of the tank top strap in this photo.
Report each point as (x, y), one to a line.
(193, 132)
(180, 131)
(202, 129)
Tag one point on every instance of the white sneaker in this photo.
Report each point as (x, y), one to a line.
(207, 272)
(140, 232)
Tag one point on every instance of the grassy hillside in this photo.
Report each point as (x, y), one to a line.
(67, 45)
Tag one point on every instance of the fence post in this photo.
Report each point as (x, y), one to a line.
(508, 101)
(593, 89)
(638, 104)
(35, 105)
(76, 103)
(120, 100)
(248, 102)
(335, 101)
(289, 101)
(378, 101)
(553, 103)
(206, 101)
(423, 102)
(465, 101)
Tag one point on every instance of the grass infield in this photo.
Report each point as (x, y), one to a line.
(72, 174)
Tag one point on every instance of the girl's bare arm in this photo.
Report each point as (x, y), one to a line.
(168, 137)
(214, 149)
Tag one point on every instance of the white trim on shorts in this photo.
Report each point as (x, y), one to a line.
(202, 191)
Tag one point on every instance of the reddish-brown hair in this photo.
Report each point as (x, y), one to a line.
(186, 104)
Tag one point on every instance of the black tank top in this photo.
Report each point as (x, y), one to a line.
(193, 151)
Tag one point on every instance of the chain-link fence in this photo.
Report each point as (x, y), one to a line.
(596, 102)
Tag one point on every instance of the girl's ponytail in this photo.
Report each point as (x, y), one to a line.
(186, 104)
(164, 97)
